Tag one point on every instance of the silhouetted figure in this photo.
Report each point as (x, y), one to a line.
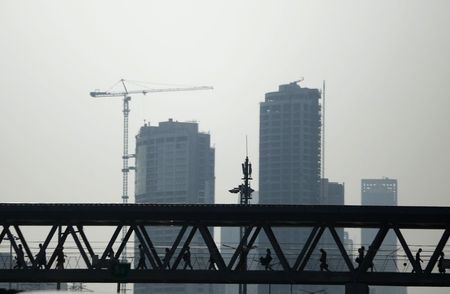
(141, 262)
(20, 258)
(266, 260)
(41, 258)
(60, 257)
(323, 261)
(360, 257)
(440, 264)
(418, 260)
(166, 257)
(187, 258)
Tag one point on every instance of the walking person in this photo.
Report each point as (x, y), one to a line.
(20, 258)
(323, 261)
(141, 262)
(41, 258)
(266, 260)
(418, 260)
(60, 257)
(187, 258)
(360, 257)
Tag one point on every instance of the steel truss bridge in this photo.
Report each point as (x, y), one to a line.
(167, 267)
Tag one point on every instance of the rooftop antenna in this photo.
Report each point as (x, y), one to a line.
(246, 146)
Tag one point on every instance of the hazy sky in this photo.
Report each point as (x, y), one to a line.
(386, 65)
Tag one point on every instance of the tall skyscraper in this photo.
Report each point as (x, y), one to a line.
(174, 164)
(381, 192)
(289, 150)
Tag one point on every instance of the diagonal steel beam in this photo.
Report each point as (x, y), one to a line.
(173, 248)
(341, 247)
(11, 239)
(80, 247)
(25, 245)
(238, 250)
(249, 246)
(277, 248)
(111, 242)
(145, 247)
(123, 243)
(150, 244)
(213, 251)
(437, 251)
(60, 245)
(2, 234)
(48, 239)
(305, 248)
(405, 246)
(186, 244)
(85, 240)
(373, 249)
(311, 249)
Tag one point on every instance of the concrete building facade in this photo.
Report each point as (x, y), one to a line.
(174, 164)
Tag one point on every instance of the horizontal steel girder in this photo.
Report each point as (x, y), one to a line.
(224, 215)
(203, 276)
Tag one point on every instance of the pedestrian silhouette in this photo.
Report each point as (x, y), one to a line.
(266, 260)
(20, 258)
(440, 264)
(187, 258)
(418, 260)
(60, 257)
(166, 257)
(41, 258)
(141, 263)
(360, 257)
(323, 261)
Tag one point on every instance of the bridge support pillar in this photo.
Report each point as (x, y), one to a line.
(354, 288)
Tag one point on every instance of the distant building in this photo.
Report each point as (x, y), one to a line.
(175, 164)
(332, 193)
(381, 192)
(289, 161)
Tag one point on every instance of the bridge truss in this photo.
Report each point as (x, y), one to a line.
(298, 266)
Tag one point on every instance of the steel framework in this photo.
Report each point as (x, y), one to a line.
(200, 219)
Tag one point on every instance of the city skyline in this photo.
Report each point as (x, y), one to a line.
(385, 64)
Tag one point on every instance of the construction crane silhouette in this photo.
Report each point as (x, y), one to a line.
(126, 111)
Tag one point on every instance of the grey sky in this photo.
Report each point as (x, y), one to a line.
(386, 63)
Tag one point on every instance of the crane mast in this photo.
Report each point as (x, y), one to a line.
(126, 156)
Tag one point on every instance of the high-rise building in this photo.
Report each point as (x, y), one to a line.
(174, 164)
(289, 147)
(381, 192)
(289, 159)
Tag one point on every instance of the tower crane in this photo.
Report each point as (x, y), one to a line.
(126, 95)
